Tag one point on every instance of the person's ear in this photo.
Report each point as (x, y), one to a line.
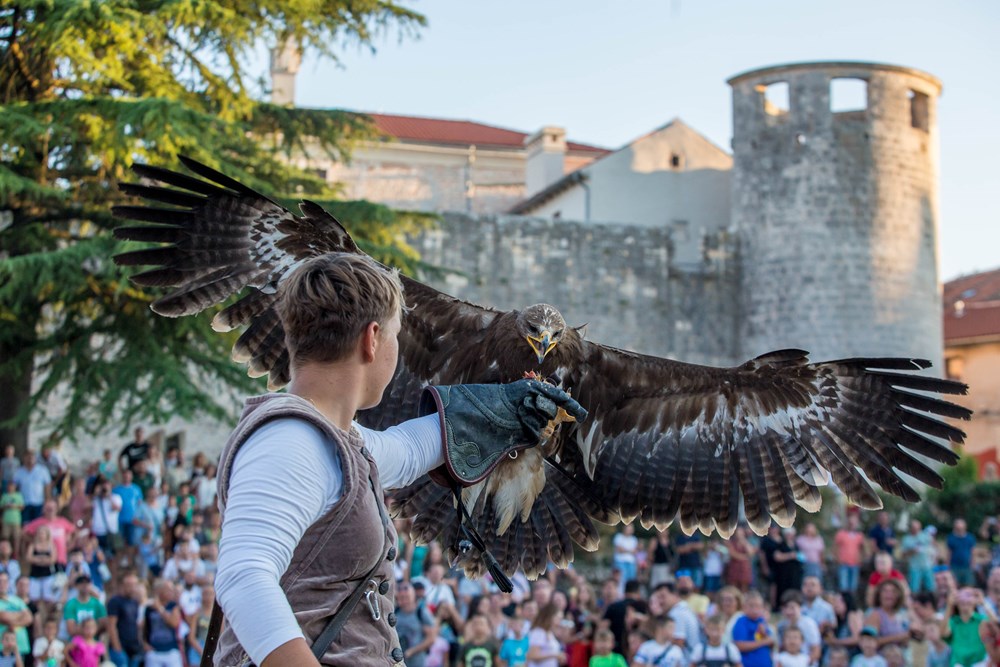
(369, 341)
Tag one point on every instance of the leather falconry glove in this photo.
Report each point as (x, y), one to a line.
(482, 423)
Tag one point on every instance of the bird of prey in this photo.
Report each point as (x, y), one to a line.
(663, 441)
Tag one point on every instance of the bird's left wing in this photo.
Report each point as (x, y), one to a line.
(666, 440)
(223, 237)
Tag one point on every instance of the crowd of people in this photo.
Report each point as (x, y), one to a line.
(116, 566)
(112, 566)
(871, 598)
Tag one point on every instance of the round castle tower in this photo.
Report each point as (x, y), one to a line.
(836, 205)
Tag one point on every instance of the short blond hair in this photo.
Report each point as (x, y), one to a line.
(330, 300)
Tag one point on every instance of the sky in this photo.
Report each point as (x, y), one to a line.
(610, 72)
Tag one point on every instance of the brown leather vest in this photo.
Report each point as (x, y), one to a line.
(334, 553)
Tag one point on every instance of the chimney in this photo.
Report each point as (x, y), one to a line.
(285, 62)
(546, 150)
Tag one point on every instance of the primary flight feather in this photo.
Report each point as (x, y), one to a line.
(664, 441)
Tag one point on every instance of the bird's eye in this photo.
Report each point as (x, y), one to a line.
(556, 334)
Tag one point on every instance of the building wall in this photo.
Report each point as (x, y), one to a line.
(641, 185)
(837, 213)
(978, 365)
(620, 280)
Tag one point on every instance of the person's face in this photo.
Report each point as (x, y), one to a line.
(943, 581)
(5, 550)
(435, 574)
(139, 435)
(529, 610)
(883, 519)
(960, 526)
(8, 451)
(838, 659)
(888, 596)
(543, 592)
(9, 642)
(49, 510)
(915, 527)
(685, 586)
(405, 597)
(753, 608)
(869, 644)
(791, 611)
(51, 628)
(853, 522)
(130, 586)
(714, 632)
(729, 603)
(811, 588)
(793, 642)
(883, 564)
(386, 356)
(603, 645)
(22, 587)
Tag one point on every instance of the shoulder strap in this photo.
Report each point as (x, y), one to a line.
(332, 629)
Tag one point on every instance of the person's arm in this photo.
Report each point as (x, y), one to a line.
(406, 451)
(114, 641)
(284, 478)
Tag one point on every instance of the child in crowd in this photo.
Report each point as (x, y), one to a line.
(9, 656)
(869, 656)
(838, 657)
(791, 654)
(938, 652)
(48, 649)
(714, 651)
(604, 656)
(660, 651)
(478, 647)
(893, 656)
(85, 650)
(514, 649)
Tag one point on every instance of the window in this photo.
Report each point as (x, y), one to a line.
(175, 441)
(954, 368)
(775, 98)
(848, 95)
(919, 111)
(676, 161)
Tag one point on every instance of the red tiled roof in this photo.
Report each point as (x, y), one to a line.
(972, 306)
(459, 132)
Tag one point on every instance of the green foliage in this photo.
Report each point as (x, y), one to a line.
(963, 496)
(86, 89)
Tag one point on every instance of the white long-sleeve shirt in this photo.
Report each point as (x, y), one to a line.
(284, 478)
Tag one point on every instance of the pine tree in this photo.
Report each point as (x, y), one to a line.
(86, 89)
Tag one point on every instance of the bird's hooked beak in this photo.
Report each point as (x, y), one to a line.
(541, 345)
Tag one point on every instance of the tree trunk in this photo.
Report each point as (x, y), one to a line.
(15, 385)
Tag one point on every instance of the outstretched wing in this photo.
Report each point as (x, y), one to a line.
(667, 440)
(224, 237)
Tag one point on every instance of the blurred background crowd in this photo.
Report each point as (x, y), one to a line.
(115, 566)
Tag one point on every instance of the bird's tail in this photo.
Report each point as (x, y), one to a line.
(560, 518)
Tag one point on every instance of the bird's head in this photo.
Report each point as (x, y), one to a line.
(542, 326)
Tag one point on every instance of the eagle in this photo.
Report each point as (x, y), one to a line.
(663, 441)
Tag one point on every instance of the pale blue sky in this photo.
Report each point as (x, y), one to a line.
(611, 71)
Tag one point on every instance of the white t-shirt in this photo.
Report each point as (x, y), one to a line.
(285, 477)
(660, 655)
(547, 644)
(105, 514)
(630, 543)
(725, 652)
(786, 659)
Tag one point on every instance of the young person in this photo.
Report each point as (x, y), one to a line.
(660, 651)
(300, 485)
(604, 656)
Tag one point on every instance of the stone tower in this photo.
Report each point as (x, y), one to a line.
(836, 205)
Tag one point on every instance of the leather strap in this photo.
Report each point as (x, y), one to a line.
(336, 623)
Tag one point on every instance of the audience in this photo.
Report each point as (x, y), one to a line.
(116, 566)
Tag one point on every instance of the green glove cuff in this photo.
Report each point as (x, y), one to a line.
(482, 423)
